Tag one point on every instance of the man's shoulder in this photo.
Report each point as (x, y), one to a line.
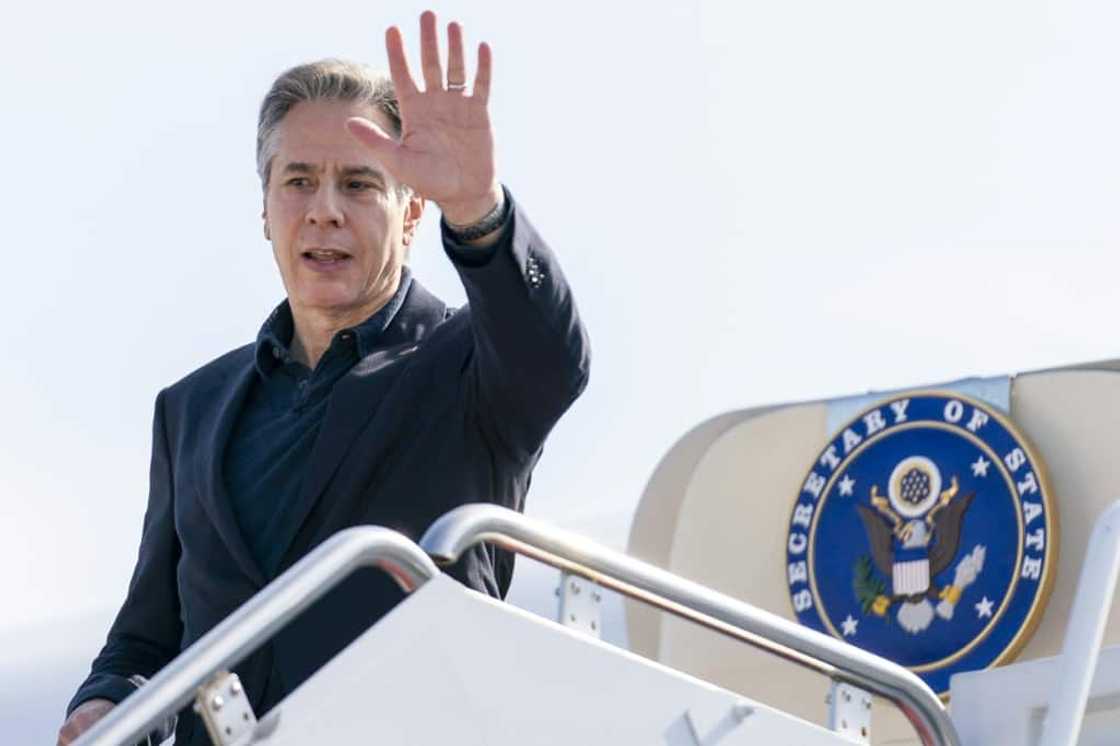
(216, 372)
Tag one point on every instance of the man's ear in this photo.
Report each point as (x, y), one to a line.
(413, 211)
(264, 217)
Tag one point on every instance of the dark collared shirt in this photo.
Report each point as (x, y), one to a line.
(270, 449)
(271, 445)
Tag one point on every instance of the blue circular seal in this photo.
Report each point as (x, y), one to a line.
(924, 532)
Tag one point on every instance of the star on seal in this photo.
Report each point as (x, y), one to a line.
(980, 467)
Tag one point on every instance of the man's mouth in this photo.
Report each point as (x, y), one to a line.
(325, 257)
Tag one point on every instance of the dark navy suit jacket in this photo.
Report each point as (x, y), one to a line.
(454, 410)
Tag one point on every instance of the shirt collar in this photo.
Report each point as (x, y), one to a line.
(275, 337)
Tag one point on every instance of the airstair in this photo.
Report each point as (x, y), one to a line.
(499, 675)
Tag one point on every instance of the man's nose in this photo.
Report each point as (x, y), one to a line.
(325, 208)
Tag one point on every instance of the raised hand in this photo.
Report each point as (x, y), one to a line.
(446, 151)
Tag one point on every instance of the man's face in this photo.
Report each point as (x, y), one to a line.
(338, 224)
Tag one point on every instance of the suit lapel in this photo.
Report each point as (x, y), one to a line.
(359, 394)
(216, 431)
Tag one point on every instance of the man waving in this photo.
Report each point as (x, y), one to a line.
(364, 399)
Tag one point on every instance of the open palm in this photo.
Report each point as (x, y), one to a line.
(446, 150)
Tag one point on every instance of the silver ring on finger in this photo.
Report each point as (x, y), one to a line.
(456, 86)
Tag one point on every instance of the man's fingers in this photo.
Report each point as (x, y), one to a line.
(482, 77)
(456, 65)
(429, 52)
(82, 719)
(398, 63)
(385, 147)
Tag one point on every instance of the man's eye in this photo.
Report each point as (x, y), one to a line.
(360, 185)
(297, 181)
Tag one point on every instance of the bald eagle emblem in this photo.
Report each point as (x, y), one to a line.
(914, 535)
(923, 532)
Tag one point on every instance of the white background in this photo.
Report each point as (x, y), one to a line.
(754, 202)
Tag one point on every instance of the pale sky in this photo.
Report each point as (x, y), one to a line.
(753, 203)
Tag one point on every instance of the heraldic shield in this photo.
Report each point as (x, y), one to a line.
(923, 533)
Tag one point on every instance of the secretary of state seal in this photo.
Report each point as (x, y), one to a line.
(364, 399)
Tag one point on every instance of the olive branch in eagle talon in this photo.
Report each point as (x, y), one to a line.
(869, 589)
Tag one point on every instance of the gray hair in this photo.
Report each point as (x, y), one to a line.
(325, 80)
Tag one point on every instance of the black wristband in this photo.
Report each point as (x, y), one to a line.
(489, 223)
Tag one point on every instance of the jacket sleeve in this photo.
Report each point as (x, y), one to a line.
(147, 632)
(531, 353)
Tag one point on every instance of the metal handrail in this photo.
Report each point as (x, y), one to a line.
(1092, 604)
(242, 631)
(469, 525)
